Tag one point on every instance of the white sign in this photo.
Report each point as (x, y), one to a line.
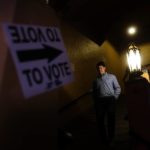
(40, 57)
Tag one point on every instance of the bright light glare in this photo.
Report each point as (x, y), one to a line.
(134, 60)
(47, 1)
(132, 30)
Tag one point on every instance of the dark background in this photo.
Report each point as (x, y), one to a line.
(103, 20)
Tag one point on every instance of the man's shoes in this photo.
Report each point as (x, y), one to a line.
(104, 144)
(112, 144)
(126, 117)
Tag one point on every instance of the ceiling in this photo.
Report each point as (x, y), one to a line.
(103, 20)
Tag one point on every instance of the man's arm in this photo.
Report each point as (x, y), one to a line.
(117, 88)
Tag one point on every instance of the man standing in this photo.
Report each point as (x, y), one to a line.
(106, 91)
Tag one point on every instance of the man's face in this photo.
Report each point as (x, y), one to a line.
(101, 70)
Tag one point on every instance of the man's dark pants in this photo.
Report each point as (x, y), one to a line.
(105, 109)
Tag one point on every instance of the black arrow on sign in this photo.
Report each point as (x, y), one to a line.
(36, 54)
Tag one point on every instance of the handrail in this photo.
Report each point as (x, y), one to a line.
(64, 108)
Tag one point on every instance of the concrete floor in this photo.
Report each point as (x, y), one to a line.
(85, 133)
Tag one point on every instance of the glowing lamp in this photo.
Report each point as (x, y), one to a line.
(134, 58)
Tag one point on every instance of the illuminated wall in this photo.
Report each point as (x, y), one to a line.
(84, 54)
(40, 113)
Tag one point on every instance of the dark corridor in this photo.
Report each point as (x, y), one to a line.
(85, 135)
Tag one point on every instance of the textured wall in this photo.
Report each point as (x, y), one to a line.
(7, 9)
(33, 121)
(145, 53)
(84, 54)
(38, 115)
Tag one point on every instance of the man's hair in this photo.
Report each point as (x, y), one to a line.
(100, 63)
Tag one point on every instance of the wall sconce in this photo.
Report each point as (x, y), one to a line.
(134, 58)
(134, 61)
